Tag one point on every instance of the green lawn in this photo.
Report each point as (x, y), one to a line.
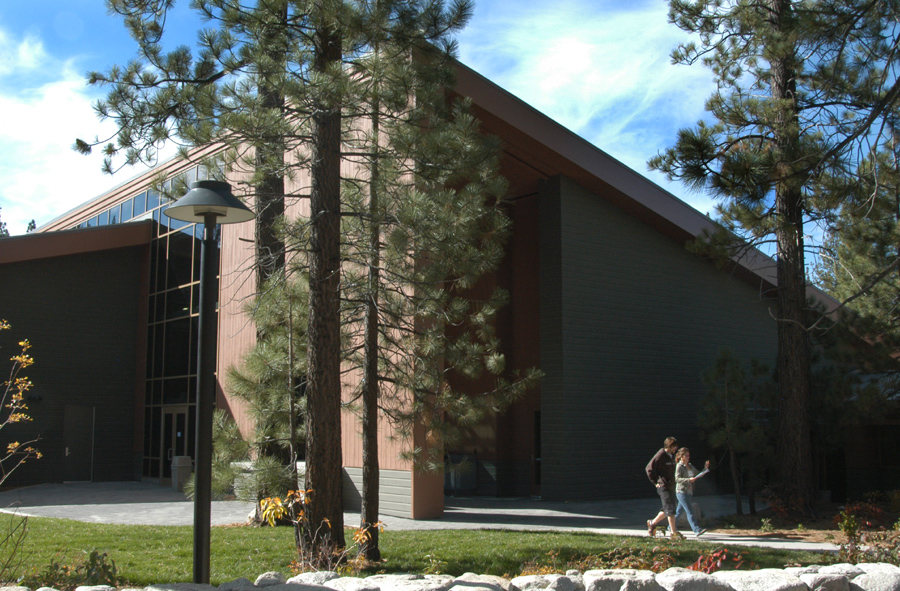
(156, 554)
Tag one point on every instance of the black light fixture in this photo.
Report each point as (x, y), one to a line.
(210, 203)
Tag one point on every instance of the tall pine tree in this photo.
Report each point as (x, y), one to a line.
(424, 222)
(280, 86)
(803, 87)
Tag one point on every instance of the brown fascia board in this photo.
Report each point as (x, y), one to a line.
(29, 247)
(522, 128)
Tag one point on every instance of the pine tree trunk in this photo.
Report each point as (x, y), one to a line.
(369, 513)
(269, 154)
(736, 480)
(793, 446)
(323, 444)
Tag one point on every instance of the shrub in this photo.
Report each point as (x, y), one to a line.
(710, 561)
(94, 569)
(319, 556)
(657, 559)
(14, 410)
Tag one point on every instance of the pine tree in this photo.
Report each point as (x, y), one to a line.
(803, 87)
(735, 415)
(271, 380)
(277, 86)
(424, 222)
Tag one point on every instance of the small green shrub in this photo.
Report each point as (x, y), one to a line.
(657, 559)
(434, 565)
(765, 525)
(94, 569)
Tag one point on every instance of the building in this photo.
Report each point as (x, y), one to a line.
(605, 299)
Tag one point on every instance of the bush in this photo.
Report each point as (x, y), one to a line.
(711, 561)
(94, 569)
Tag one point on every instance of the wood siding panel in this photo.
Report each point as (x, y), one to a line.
(395, 488)
(629, 321)
(82, 315)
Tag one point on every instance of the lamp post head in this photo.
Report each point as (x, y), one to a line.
(210, 197)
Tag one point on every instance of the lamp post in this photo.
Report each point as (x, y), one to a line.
(212, 203)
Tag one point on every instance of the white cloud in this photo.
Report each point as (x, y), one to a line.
(20, 56)
(46, 104)
(602, 69)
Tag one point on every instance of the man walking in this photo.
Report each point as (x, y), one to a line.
(661, 472)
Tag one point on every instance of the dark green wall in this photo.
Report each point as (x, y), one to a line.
(629, 321)
(81, 314)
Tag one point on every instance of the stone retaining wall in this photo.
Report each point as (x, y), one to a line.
(835, 577)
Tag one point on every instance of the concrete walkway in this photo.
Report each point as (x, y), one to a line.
(143, 503)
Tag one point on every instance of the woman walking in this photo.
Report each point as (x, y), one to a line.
(685, 476)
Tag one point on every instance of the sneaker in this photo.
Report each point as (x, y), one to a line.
(651, 529)
(700, 533)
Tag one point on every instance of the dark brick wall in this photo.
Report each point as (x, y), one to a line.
(629, 321)
(81, 315)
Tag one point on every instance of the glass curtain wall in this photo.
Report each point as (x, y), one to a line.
(170, 395)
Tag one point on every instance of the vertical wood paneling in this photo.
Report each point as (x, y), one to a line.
(629, 321)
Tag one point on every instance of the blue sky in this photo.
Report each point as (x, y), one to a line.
(599, 67)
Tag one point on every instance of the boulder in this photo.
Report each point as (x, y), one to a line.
(555, 582)
(351, 584)
(848, 570)
(682, 579)
(877, 580)
(826, 582)
(767, 579)
(474, 582)
(240, 584)
(412, 582)
(179, 587)
(270, 578)
(620, 580)
(317, 578)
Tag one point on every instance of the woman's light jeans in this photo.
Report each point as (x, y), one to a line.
(686, 504)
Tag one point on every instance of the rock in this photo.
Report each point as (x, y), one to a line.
(554, 582)
(241, 584)
(94, 588)
(848, 570)
(682, 579)
(620, 580)
(826, 582)
(877, 580)
(802, 570)
(877, 567)
(317, 578)
(412, 582)
(179, 587)
(296, 587)
(270, 578)
(767, 579)
(352, 584)
(473, 582)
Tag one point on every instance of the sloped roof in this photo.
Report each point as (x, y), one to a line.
(548, 148)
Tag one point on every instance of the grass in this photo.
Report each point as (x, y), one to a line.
(162, 554)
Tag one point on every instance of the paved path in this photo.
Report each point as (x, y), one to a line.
(143, 503)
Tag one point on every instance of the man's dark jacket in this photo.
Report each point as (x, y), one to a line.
(661, 469)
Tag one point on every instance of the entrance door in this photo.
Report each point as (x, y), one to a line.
(174, 439)
(78, 438)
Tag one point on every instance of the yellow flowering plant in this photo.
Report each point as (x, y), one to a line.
(294, 508)
(13, 409)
